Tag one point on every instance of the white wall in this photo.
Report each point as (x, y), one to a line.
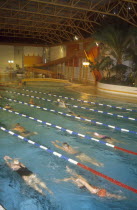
(18, 56)
(33, 51)
(6, 53)
(57, 52)
(117, 89)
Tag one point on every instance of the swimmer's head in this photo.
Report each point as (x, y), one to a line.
(96, 134)
(16, 162)
(102, 193)
(17, 124)
(65, 144)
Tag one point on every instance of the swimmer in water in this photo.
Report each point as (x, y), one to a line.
(19, 84)
(103, 137)
(107, 138)
(32, 102)
(7, 106)
(81, 182)
(22, 130)
(84, 158)
(27, 175)
(61, 103)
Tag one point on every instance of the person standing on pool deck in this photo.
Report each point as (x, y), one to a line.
(27, 175)
(81, 182)
(67, 148)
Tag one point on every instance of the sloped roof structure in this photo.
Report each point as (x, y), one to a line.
(51, 22)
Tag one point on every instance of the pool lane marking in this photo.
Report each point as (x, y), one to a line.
(80, 118)
(70, 131)
(114, 181)
(79, 107)
(89, 102)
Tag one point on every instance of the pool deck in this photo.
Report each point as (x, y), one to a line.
(92, 90)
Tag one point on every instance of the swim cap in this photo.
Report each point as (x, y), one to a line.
(16, 162)
(102, 193)
(96, 134)
(58, 100)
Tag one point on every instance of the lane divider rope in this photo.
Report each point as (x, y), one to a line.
(92, 121)
(70, 131)
(79, 107)
(114, 181)
(89, 102)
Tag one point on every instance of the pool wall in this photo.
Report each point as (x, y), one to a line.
(117, 89)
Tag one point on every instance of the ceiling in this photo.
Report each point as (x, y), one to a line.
(52, 22)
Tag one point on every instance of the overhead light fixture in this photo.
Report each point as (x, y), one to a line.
(10, 61)
(76, 38)
(86, 64)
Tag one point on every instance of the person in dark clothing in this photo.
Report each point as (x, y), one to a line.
(27, 175)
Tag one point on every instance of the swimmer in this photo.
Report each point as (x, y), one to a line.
(22, 130)
(61, 103)
(103, 137)
(81, 182)
(84, 158)
(1, 207)
(27, 175)
(31, 102)
(7, 106)
(20, 84)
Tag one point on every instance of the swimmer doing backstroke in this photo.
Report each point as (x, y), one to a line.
(31, 179)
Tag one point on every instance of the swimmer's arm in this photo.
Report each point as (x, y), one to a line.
(14, 129)
(56, 145)
(64, 180)
(21, 164)
(88, 186)
(6, 158)
(115, 196)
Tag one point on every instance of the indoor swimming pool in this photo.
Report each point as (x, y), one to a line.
(115, 157)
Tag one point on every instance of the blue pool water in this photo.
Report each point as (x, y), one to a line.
(15, 194)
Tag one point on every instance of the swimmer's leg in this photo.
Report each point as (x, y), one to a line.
(85, 158)
(25, 134)
(41, 184)
(36, 187)
(30, 180)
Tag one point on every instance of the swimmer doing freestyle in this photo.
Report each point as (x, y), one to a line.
(84, 158)
(22, 130)
(81, 182)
